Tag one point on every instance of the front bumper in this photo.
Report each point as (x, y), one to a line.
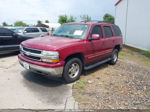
(55, 71)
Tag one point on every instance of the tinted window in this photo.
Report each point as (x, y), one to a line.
(43, 29)
(5, 32)
(97, 30)
(35, 29)
(117, 30)
(30, 30)
(108, 31)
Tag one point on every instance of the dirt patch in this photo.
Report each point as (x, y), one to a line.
(123, 86)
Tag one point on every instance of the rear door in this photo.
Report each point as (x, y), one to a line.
(108, 40)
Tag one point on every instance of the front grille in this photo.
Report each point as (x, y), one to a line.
(31, 50)
(32, 57)
(26, 53)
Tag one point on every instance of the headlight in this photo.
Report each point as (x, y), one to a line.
(50, 56)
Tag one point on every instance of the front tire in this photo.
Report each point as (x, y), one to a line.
(114, 57)
(72, 70)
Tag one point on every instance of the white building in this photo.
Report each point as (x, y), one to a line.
(133, 17)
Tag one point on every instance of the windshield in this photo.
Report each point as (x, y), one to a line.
(18, 30)
(76, 31)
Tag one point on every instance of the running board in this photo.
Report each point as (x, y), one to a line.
(96, 64)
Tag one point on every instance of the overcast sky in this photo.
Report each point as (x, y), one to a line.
(32, 10)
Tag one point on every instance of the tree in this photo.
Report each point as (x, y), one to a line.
(39, 22)
(46, 21)
(62, 19)
(85, 18)
(4, 24)
(71, 19)
(20, 23)
(108, 18)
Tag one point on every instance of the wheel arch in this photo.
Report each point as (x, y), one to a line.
(117, 47)
(75, 55)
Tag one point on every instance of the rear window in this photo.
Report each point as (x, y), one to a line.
(108, 31)
(117, 30)
(44, 29)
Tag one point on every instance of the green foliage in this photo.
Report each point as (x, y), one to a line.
(108, 18)
(4, 24)
(71, 19)
(144, 52)
(39, 22)
(85, 18)
(20, 23)
(46, 21)
(62, 19)
(80, 84)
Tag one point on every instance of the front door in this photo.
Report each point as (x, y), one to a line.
(95, 45)
(7, 40)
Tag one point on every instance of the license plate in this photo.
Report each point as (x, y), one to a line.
(26, 65)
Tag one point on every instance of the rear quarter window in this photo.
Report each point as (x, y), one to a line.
(43, 29)
(117, 30)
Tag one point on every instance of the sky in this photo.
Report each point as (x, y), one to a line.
(30, 11)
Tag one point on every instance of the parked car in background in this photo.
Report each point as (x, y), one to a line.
(72, 48)
(32, 31)
(12, 28)
(10, 41)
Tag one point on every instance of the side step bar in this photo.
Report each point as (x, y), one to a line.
(96, 64)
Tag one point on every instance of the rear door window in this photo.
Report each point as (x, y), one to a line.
(35, 30)
(117, 30)
(31, 30)
(97, 30)
(108, 32)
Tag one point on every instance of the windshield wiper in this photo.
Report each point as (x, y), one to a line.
(63, 36)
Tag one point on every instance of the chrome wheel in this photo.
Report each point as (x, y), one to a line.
(74, 70)
(115, 57)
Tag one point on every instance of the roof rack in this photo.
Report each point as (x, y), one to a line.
(97, 21)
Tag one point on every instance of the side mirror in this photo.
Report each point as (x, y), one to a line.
(95, 37)
(24, 31)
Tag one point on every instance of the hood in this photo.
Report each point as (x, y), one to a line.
(50, 42)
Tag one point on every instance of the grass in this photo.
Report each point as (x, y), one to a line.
(144, 52)
(123, 54)
(132, 53)
(80, 84)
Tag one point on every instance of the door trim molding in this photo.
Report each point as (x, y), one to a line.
(99, 54)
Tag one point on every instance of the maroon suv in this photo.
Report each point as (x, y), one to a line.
(73, 47)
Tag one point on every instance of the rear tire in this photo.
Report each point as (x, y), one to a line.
(114, 57)
(72, 70)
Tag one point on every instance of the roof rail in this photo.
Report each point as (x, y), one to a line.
(97, 21)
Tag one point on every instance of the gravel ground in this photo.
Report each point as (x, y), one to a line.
(123, 86)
